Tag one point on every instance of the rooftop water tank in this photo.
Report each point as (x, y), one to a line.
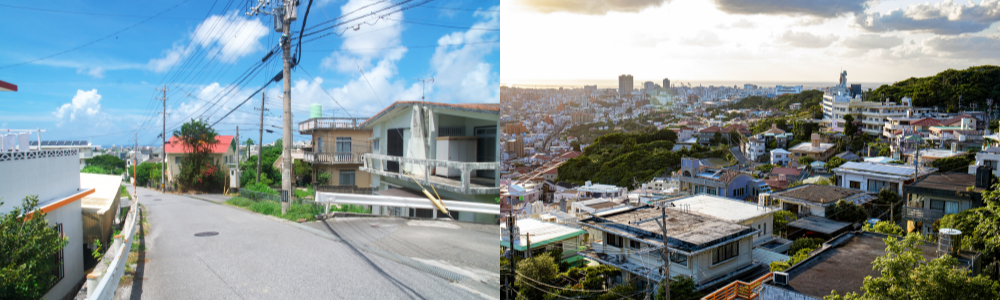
(315, 111)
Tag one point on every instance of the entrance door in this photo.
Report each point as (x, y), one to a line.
(393, 147)
(486, 149)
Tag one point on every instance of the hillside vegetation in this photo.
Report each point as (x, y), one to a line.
(974, 84)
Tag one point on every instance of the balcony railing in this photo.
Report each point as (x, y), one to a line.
(308, 126)
(917, 213)
(390, 166)
(334, 157)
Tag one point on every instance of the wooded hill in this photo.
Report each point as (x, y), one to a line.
(974, 84)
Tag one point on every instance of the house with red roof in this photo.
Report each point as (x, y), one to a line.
(223, 153)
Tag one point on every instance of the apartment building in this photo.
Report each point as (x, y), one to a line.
(339, 144)
(873, 177)
(450, 148)
(838, 102)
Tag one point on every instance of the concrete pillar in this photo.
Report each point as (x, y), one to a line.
(466, 176)
(93, 279)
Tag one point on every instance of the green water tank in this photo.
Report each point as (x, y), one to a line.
(315, 111)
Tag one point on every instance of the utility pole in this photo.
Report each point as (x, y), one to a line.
(260, 135)
(511, 225)
(666, 253)
(238, 157)
(163, 168)
(285, 13)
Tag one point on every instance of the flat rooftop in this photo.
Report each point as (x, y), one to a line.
(542, 233)
(807, 147)
(819, 224)
(818, 194)
(844, 266)
(105, 187)
(877, 168)
(696, 231)
(719, 207)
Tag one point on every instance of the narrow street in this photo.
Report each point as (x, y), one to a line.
(258, 257)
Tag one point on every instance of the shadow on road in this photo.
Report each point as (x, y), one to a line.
(409, 291)
(140, 267)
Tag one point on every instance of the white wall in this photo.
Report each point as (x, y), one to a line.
(71, 216)
(863, 179)
(47, 177)
(766, 221)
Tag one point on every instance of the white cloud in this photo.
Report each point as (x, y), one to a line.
(872, 41)
(591, 7)
(964, 46)
(805, 39)
(227, 38)
(460, 72)
(374, 39)
(96, 72)
(944, 17)
(703, 38)
(85, 103)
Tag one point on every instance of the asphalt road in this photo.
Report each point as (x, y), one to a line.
(259, 257)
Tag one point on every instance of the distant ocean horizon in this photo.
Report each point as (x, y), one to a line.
(613, 84)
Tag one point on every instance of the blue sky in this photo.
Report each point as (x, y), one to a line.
(105, 91)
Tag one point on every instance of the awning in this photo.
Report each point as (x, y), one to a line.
(7, 86)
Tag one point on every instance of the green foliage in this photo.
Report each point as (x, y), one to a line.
(94, 170)
(148, 173)
(765, 124)
(779, 266)
(249, 142)
(302, 168)
(850, 128)
(97, 250)
(799, 256)
(885, 227)
(540, 268)
(974, 84)
(824, 181)
(575, 145)
(810, 100)
(846, 212)
(781, 219)
(625, 159)
(834, 162)
(887, 199)
(806, 160)
(260, 188)
(324, 177)
(955, 163)
(110, 163)
(981, 230)
(198, 170)
(804, 243)
(28, 246)
(766, 168)
(589, 278)
(295, 212)
(681, 288)
(905, 274)
(309, 192)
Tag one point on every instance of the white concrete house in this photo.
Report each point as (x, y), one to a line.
(989, 157)
(873, 177)
(740, 212)
(780, 157)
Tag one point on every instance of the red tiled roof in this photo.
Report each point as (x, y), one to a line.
(787, 171)
(954, 120)
(710, 129)
(224, 141)
(552, 171)
(776, 184)
(926, 122)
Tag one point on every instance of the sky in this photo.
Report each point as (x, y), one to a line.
(90, 70)
(580, 42)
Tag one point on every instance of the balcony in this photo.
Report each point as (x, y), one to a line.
(389, 166)
(334, 158)
(916, 213)
(308, 126)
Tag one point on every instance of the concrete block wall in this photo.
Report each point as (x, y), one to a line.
(50, 177)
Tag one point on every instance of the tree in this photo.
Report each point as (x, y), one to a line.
(324, 178)
(716, 138)
(539, 268)
(681, 288)
(110, 163)
(94, 170)
(28, 247)
(198, 170)
(781, 219)
(846, 212)
(905, 274)
(575, 145)
(980, 228)
(766, 168)
(849, 128)
(834, 162)
(805, 243)
(884, 227)
(887, 199)
(806, 160)
(823, 181)
(249, 142)
(302, 169)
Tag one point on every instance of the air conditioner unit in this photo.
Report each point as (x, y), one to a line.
(780, 278)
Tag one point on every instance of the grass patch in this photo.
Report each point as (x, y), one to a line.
(309, 192)
(296, 211)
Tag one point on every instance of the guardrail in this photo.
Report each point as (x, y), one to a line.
(407, 202)
(108, 283)
(379, 164)
(739, 290)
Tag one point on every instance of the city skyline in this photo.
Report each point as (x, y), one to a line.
(691, 40)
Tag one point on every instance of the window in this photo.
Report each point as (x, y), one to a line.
(855, 185)
(740, 192)
(59, 270)
(951, 207)
(613, 240)
(634, 244)
(319, 145)
(726, 252)
(878, 185)
(343, 144)
(679, 259)
(178, 160)
(992, 164)
(347, 177)
(937, 204)
(375, 145)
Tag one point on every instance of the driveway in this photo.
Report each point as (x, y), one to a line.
(260, 257)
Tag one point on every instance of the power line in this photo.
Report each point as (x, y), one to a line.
(408, 47)
(95, 41)
(444, 25)
(89, 13)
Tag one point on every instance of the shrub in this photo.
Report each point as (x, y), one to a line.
(803, 243)
(260, 188)
(885, 227)
(779, 265)
(28, 247)
(781, 219)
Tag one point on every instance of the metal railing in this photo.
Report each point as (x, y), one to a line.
(922, 213)
(354, 157)
(739, 290)
(346, 189)
(108, 283)
(379, 164)
(330, 123)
